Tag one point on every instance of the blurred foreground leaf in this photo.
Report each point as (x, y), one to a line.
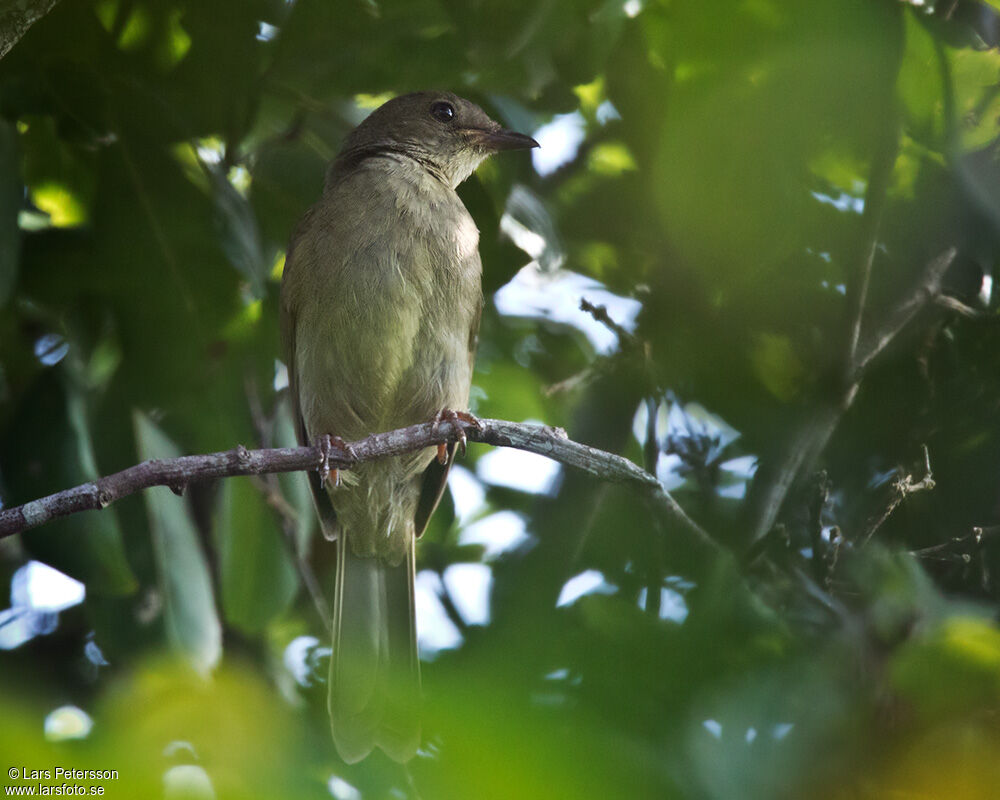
(952, 670)
(258, 581)
(188, 604)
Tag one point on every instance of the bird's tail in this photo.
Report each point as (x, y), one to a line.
(374, 689)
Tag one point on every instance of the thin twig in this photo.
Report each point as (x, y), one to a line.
(626, 342)
(274, 498)
(927, 289)
(956, 305)
(287, 516)
(875, 198)
(600, 313)
(573, 382)
(901, 489)
(177, 473)
(306, 574)
(810, 438)
(288, 519)
(957, 547)
(817, 503)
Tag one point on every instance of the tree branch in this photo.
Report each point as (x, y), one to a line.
(901, 488)
(177, 473)
(16, 16)
(600, 313)
(926, 290)
(875, 200)
(811, 436)
(959, 547)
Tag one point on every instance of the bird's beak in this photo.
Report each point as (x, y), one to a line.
(506, 140)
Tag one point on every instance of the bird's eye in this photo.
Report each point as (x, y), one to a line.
(443, 112)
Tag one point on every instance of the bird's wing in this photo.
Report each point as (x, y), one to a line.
(286, 320)
(436, 475)
(432, 488)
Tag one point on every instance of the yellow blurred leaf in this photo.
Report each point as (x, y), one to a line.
(136, 30)
(176, 44)
(611, 159)
(370, 102)
(777, 365)
(64, 208)
(278, 267)
(591, 95)
(955, 762)
(952, 670)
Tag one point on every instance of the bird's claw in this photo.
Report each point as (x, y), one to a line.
(454, 417)
(442, 454)
(326, 443)
(472, 419)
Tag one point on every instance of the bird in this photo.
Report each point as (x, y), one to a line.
(380, 302)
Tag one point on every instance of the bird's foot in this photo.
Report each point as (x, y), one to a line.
(448, 415)
(326, 444)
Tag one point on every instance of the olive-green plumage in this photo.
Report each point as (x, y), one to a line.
(380, 305)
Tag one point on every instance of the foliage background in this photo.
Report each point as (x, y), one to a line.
(739, 161)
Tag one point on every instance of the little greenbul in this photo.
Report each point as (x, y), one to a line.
(380, 307)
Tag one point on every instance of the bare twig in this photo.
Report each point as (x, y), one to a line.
(901, 489)
(803, 448)
(875, 197)
(927, 289)
(573, 382)
(958, 548)
(811, 436)
(275, 498)
(288, 518)
(179, 472)
(600, 313)
(956, 305)
(817, 502)
(627, 342)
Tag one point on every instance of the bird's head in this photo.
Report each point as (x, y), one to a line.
(446, 133)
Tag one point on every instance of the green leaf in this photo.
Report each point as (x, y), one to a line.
(237, 230)
(189, 607)
(920, 86)
(10, 203)
(103, 552)
(976, 79)
(508, 391)
(48, 447)
(258, 580)
(295, 485)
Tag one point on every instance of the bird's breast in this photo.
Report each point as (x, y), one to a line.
(384, 334)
